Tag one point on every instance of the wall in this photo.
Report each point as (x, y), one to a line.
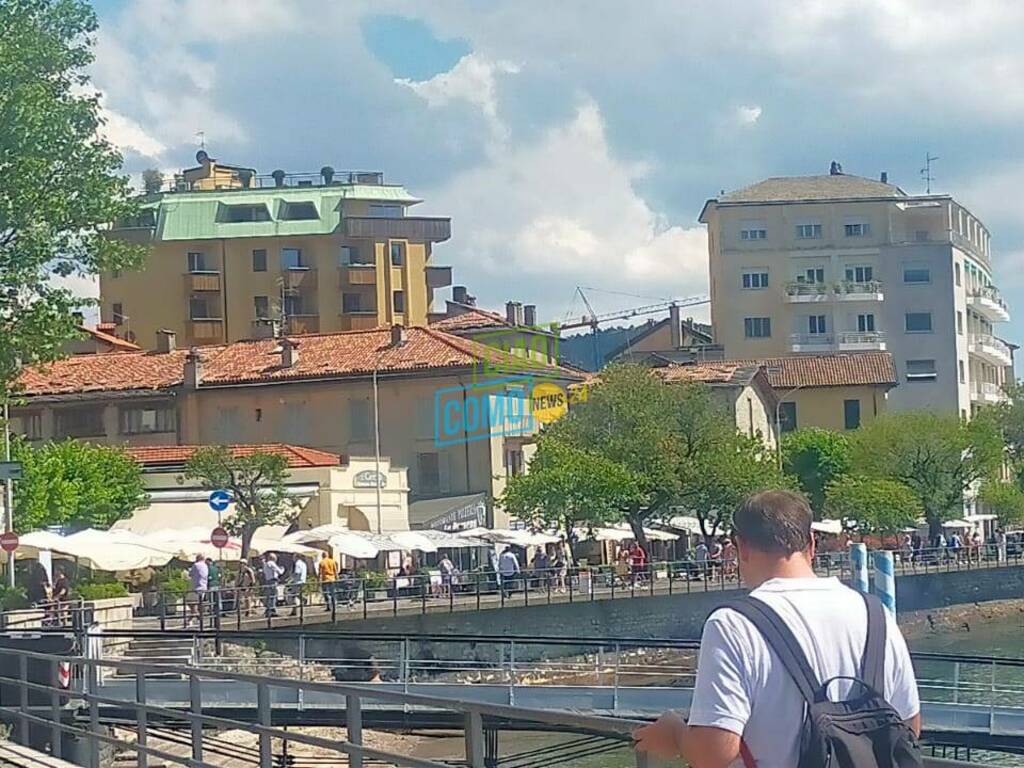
(752, 416)
(823, 406)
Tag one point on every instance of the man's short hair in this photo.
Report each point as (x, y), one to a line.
(775, 521)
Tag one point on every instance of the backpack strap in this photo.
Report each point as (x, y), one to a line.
(781, 640)
(873, 669)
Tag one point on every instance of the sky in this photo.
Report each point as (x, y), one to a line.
(574, 143)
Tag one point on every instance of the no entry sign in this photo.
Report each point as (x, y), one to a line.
(219, 538)
(9, 541)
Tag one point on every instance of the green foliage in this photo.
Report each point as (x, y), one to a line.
(815, 457)
(373, 579)
(152, 180)
(58, 187)
(176, 587)
(13, 598)
(570, 487)
(256, 483)
(877, 505)
(1009, 418)
(937, 456)
(1006, 500)
(103, 591)
(75, 484)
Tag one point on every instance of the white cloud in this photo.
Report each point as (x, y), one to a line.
(747, 115)
(125, 133)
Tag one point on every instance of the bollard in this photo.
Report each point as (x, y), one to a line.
(885, 580)
(859, 566)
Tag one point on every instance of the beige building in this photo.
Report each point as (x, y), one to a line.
(457, 429)
(673, 335)
(839, 263)
(232, 253)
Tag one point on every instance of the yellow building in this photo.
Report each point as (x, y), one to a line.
(233, 253)
(457, 428)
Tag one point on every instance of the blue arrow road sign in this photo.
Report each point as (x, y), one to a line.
(219, 500)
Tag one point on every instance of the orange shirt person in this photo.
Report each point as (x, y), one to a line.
(327, 570)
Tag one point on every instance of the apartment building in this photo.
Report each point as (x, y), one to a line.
(437, 413)
(839, 263)
(233, 252)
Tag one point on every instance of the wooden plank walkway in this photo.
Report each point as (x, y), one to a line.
(23, 757)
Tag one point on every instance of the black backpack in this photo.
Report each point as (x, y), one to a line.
(861, 732)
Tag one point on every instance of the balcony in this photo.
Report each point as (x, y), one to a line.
(359, 321)
(299, 324)
(810, 342)
(206, 330)
(299, 278)
(439, 277)
(363, 274)
(808, 293)
(861, 341)
(986, 393)
(197, 282)
(416, 228)
(847, 290)
(990, 349)
(964, 244)
(986, 301)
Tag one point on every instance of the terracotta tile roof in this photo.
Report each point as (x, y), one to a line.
(320, 356)
(720, 372)
(851, 369)
(470, 319)
(109, 338)
(172, 455)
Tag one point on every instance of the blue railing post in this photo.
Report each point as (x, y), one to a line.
(885, 579)
(859, 566)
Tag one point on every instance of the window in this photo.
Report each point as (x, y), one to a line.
(816, 324)
(350, 255)
(918, 322)
(754, 231)
(380, 211)
(261, 307)
(80, 422)
(291, 258)
(860, 274)
(397, 254)
(30, 426)
(808, 231)
(851, 414)
(398, 301)
(196, 262)
(917, 275)
(787, 417)
(866, 323)
(755, 279)
(960, 323)
(199, 309)
(117, 313)
(920, 370)
(135, 421)
(856, 229)
(514, 463)
(294, 306)
(238, 214)
(259, 260)
(956, 269)
(963, 373)
(303, 211)
(757, 327)
(360, 419)
(815, 275)
(353, 302)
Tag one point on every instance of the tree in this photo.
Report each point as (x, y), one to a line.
(256, 482)
(58, 184)
(74, 484)
(877, 505)
(569, 487)
(816, 458)
(938, 456)
(1009, 417)
(1006, 500)
(152, 181)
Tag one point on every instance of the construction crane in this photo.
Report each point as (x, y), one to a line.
(594, 319)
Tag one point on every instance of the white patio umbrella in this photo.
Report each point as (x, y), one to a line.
(685, 523)
(413, 540)
(834, 527)
(355, 544)
(957, 524)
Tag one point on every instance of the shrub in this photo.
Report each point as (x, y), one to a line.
(13, 598)
(373, 579)
(93, 591)
(177, 586)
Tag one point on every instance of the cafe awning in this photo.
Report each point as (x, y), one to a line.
(449, 513)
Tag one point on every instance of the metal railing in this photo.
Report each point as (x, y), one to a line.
(987, 340)
(860, 337)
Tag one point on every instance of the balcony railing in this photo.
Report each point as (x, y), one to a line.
(808, 292)
(296, 278)
(204, 329)
(987, 301)
(964, 244)
(811, 342)
(419, 228)
(990, 348)
(196, 282)
(303, 324)
(439, 277)
(861, 341)
(361, 320)
(986, 392)
(850, 290)
(358, 274)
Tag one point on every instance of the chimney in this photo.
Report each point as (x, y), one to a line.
(459, 294)
(289, 353)
(510, 312)
(165, 341)
(885, 177)
(530, 315)
(675, 326)
(398, 335)
(193, 369)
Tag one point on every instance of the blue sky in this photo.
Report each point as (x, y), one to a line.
(574, 144)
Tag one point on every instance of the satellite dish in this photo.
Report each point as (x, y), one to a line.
(201, 157)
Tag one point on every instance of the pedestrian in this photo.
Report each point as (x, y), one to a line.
(1001, 545)
(729, 558)
(245, 585)
(541, 567)
(747, 709)
(272, 573)
(213, 580)
(906, 548)
(327, 570)
(955, 545)
(560, 569)
(61, 592)
(199, 580)
(700, 555)
(508, 571)
(637, 562)
(297, 583)
(447, 568)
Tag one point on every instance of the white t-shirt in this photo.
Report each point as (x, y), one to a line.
(742, 687)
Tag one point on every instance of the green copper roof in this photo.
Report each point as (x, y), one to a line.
(208, 215)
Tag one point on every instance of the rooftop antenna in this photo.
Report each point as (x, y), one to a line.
(926, 172)
(201, 135)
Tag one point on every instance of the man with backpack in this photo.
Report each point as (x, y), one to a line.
(804, 672)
